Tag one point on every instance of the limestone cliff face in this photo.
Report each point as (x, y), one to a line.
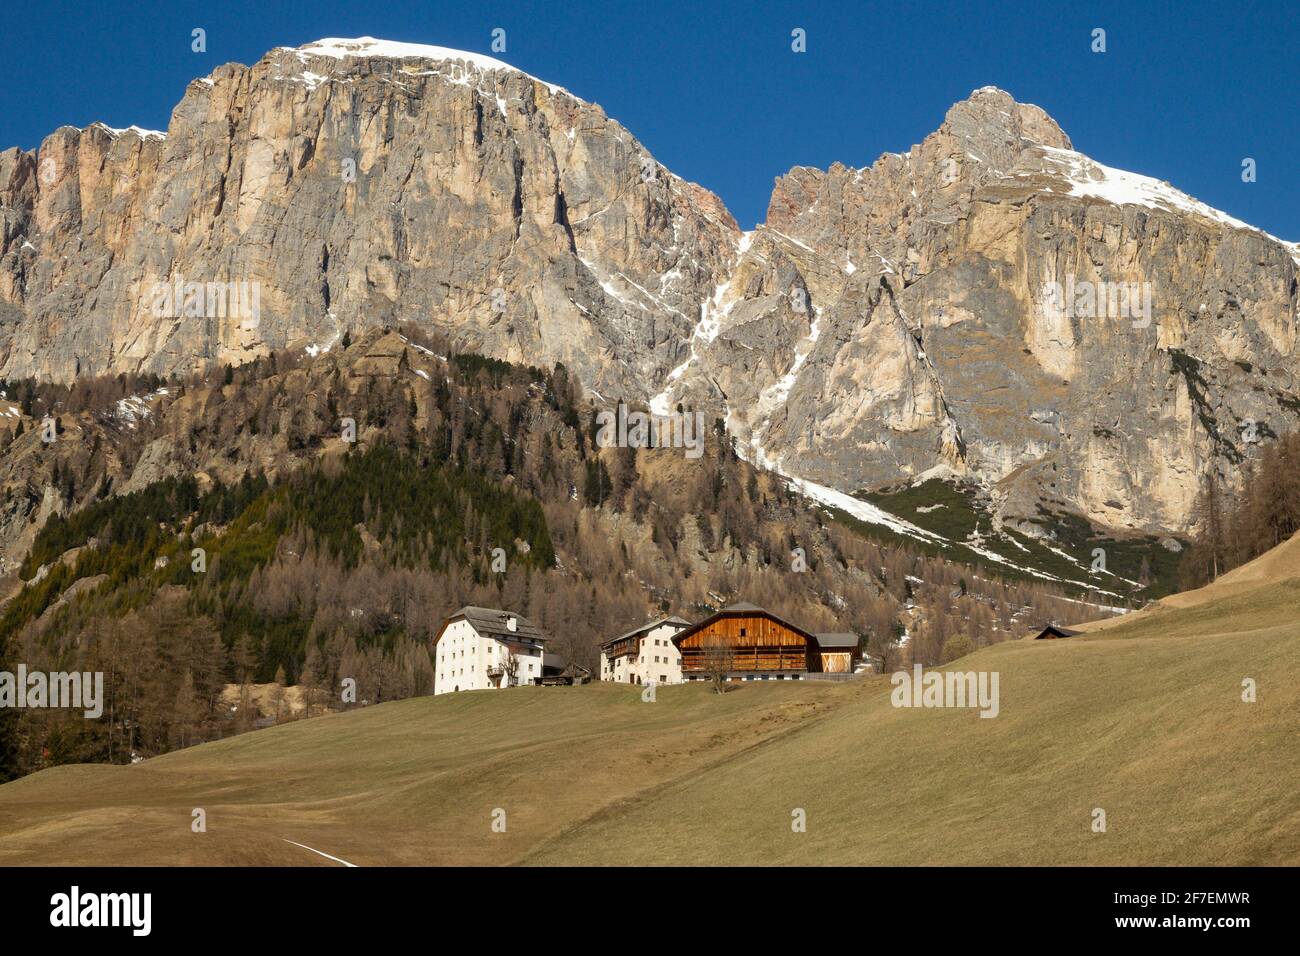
(357, 188)
(885, 322)
(953, 332)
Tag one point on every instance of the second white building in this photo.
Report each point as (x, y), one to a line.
(645, 654)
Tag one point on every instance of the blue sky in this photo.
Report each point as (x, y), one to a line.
(1184, 91)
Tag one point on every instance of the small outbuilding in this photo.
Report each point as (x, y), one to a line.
(558, 671)
(839, 651)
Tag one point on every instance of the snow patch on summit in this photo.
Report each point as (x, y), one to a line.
(1089, 178)
(339, 48)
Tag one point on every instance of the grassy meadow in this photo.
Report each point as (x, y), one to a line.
(1141, 717)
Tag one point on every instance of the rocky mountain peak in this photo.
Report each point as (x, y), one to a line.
(989, 111)
(352, 183)
(930, 341)
(886, 321)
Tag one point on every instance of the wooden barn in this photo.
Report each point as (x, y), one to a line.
(750, 643)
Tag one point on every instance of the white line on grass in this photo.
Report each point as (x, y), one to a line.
(326, 855)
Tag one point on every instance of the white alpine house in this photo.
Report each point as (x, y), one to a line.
(478, 647)
(644, 655)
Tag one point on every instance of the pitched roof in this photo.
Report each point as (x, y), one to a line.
(560, 663)
(491, 622)
(837, 639)
(650, 626)
(1062, 631)
(827, 639)
(741, 607)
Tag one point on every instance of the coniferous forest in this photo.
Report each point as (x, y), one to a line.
(1234, 528)
(226, 551)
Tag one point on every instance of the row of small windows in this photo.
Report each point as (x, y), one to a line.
(491, 649)
(531, 670)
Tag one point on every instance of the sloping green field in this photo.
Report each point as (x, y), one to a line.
(1143, 720)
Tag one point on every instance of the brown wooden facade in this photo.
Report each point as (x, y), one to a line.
(749, 640)
(625, 645)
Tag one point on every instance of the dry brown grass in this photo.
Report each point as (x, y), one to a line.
(1144, 720)
(412, 782)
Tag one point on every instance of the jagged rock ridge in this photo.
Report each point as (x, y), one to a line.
(884, 323)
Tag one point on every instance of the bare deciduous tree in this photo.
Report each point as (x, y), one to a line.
(883, 650)
(503, 669)
(719, 661)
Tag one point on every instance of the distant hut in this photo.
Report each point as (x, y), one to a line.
(559, 671)
(1052, 632)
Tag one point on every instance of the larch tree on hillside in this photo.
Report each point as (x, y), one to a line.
(276, 697)
(1210, 516)
(309, 679)
(186, 714)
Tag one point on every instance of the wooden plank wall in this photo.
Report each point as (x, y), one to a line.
(764, 646)
(619, 648)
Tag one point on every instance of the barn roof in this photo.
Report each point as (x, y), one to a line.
(649, 626)
(837, 639)
(560, 663)
(743, 607)
(491, 622)
(1058, 631)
